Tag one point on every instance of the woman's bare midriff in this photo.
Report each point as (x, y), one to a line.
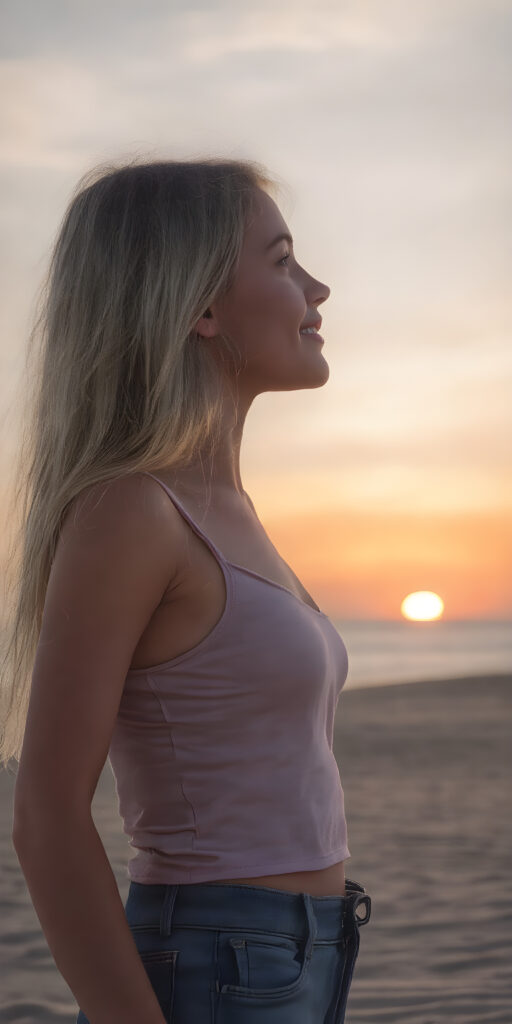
(325, 882)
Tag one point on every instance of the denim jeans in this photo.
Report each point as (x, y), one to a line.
(243, 954)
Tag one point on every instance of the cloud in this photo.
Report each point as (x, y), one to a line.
(391, 122)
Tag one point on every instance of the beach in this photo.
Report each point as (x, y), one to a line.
(426, 772)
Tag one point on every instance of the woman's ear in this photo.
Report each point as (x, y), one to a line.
(207, 326)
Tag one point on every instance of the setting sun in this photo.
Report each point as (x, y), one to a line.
(422, 606)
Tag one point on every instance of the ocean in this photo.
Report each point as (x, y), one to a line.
(381, 651)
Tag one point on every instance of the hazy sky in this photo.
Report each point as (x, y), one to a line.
(389, 124)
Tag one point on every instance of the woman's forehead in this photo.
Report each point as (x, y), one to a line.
(265, 224)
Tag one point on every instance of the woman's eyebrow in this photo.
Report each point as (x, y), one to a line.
(279, 238)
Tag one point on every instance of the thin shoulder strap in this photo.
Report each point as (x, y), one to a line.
(213, 547)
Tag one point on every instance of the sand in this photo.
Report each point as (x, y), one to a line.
(426, 770)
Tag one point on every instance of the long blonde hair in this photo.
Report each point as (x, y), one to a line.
(113, 383)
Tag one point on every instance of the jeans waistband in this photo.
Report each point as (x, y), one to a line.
(227, 906)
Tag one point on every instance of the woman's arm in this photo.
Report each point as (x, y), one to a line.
(113, 563)
(77, 901)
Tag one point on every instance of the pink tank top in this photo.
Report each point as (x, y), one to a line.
(222, 756)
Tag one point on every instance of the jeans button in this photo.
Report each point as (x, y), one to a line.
(365, 899)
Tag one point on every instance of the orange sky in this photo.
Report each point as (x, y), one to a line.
(396, 475)
(362, 565)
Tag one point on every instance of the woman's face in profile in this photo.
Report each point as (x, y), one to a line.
(272, 296)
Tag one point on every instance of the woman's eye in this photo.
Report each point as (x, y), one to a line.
(286, 257)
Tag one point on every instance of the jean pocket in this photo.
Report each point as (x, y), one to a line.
(160, 965)
(260, 966)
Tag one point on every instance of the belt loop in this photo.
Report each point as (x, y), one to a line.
(312, 927)
(353, 886)
(168, 909)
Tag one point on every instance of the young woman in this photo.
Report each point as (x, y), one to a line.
(156, 624)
